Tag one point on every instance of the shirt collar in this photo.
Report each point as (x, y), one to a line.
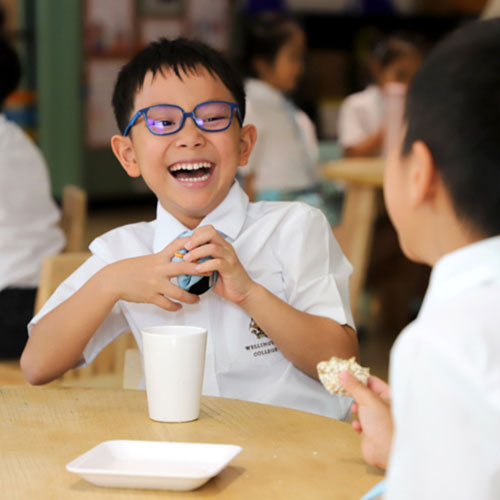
(228, 218)
(462, 269)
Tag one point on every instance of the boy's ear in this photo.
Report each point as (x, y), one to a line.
(424, 177)
(247, 142)
(123, 149)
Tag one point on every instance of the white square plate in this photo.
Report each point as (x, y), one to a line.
(153, 464)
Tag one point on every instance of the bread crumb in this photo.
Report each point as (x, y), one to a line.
(329, 371)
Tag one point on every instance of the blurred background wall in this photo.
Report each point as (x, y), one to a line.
(72, 49)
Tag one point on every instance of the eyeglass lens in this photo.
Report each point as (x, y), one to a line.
(168, 119)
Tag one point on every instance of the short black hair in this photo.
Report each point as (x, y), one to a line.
(453, 106)
(10, 70)
(397, 45)
(179, 55)
(263, 36)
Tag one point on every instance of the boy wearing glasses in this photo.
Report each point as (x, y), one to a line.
(280, 302)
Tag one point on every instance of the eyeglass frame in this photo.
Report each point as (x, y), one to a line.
(233, 106)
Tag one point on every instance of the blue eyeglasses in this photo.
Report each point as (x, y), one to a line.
(166, 119)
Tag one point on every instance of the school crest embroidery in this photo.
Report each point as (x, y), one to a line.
(256, 329)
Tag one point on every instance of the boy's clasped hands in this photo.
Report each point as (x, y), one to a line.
(234, 283)
(148, 279)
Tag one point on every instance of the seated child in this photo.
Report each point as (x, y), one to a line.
(29, 217)
(362, 115)
(283, 163)
(442, 194)
(280, 303)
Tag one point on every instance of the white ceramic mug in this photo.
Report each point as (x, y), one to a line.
(174, 363)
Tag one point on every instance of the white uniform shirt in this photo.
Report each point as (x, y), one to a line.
(28, 215)
(360, 116)
(285, 155)
(286, 247)
(445, 380)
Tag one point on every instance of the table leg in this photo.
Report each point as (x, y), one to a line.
(355, 234)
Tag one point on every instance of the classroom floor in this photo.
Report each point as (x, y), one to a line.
(374, 347)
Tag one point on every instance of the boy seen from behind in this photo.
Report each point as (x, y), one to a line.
(280, 302)
(442, 190)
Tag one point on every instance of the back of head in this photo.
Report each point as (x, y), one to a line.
(10, 70)
(180, 56)
(453, 106)
(264, 35)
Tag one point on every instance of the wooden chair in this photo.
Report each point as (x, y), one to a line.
(132, 369)
(55, 269)
(73, 217)
(108, 367)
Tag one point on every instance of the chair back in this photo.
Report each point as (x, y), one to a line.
(132, 369)
(74, 217)
(107, 368)
(55, 269)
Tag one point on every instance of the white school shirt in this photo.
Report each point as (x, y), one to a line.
(286, 247)
(360, 116)
(286, 152)
(445, 380)
(28, 215)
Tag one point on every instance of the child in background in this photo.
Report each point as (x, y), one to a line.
(28, 217)
(283, 163)
(442, 194)
(280, 303)
(362, 115)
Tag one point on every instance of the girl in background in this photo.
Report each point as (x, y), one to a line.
(361, 118)
(283, 163)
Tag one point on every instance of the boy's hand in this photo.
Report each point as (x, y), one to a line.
(374, 424)
(381, 389)
(233, 282)
(147, 279)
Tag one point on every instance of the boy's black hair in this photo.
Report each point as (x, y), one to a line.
(180, 55)
(264, 35)
(397, 45)
(453, 106)
(10, 70)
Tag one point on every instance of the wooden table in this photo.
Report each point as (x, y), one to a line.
(358, 171)
(286, 453)
(364, 178)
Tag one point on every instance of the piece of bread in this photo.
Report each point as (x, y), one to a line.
(329, 371)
